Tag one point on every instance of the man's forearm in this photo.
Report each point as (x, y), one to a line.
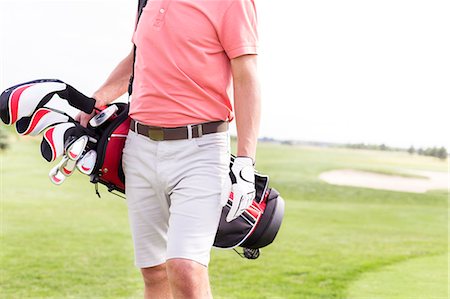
(117, 82)
(247, 104)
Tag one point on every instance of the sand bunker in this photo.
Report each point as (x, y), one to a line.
(356, 178)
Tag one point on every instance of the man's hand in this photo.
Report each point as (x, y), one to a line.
(242, 185)
(84, 118)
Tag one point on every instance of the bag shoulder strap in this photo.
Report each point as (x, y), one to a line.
(141, 5)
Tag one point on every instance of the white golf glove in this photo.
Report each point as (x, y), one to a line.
(242, 185)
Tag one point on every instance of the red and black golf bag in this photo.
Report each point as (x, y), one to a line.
(108, 168)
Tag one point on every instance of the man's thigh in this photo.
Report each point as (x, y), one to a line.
(195, 197)
(173, 196)
(148, 209)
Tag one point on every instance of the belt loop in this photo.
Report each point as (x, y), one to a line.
(200, 130)
(189, 129)
(136, 127)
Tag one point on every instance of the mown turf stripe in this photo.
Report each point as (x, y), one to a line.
(424, 277)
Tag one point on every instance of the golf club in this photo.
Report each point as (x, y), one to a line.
(66, 166)
(87, 162)
(103, 116)
(76, 148)
(56, 176)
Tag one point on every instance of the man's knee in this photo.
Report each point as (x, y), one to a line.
(188, 279)
(154, 275)
(187, 274)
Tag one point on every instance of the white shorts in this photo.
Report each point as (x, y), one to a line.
(173, 195)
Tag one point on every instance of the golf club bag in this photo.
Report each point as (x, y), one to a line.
(258, 226)
(108, 167)
(97, 151)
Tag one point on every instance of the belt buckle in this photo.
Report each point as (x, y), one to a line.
(156, 134)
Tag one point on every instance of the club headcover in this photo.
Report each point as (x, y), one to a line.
(24, 99)
(39, 121)
(56, 139)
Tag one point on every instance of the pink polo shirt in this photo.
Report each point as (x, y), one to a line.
(182, 70)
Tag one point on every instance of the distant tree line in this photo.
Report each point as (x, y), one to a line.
(438, 152)
(377, 147)
(3, 139)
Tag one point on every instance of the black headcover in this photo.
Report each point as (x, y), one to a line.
(57, 138)
(258, 226)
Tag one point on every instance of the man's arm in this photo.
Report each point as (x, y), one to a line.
(247, 103)
(247, 106)
(117, 82)
(115, 86)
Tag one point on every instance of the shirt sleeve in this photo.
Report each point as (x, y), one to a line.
(238, 31)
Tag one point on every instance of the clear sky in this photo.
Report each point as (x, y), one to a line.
(340, 71)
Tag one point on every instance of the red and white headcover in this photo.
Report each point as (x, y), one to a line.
(39, 121)
(23, 100)
(52, 145)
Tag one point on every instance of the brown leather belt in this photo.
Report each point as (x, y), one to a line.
(178, 133)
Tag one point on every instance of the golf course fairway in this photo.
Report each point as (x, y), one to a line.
(425, 277)
(336, 242)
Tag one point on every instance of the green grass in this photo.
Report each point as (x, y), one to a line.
(335, 242)
(424, 277)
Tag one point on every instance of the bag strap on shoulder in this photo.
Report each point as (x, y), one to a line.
(141, 5)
